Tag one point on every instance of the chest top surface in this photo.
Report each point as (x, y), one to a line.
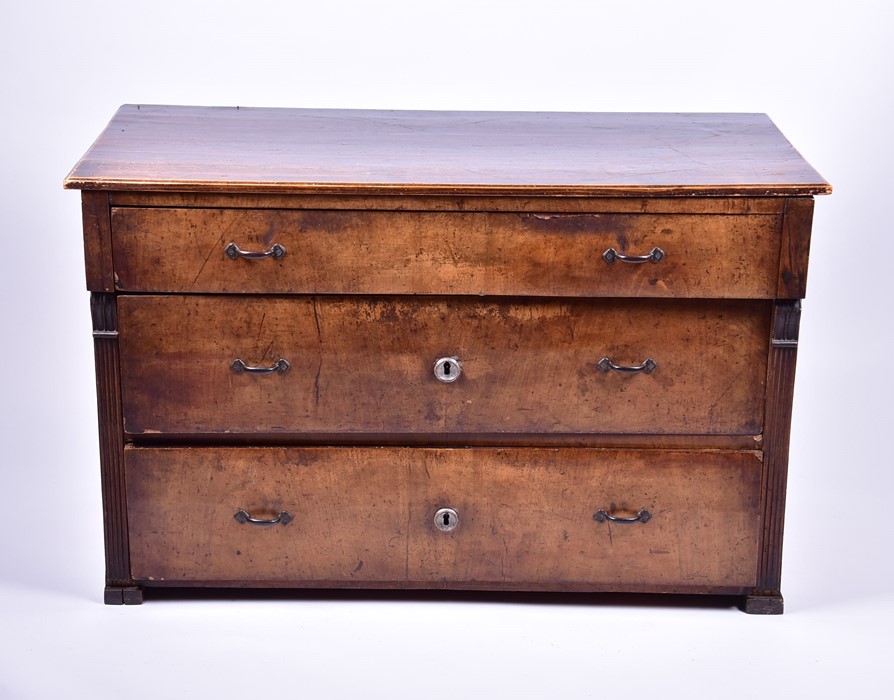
(316, 151)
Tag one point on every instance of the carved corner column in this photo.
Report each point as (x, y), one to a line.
(119, 585)
(767, 598)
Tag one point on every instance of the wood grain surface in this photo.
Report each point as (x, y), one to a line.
(525, 516)
(97, 225)
(780, 395)
(795, 250)
(376, 252)
(221, 149)
(103, 311)
(473, 236)
(449, 202)
(365, 365)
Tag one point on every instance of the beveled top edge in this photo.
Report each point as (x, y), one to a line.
(314, 151)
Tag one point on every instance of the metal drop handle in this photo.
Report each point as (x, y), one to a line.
(233, 251)
(281, 365)
(648, 366)
(656, 255)
(601, 516)
(285, 517)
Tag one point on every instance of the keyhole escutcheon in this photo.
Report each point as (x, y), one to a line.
(448, 369)
(446, 519)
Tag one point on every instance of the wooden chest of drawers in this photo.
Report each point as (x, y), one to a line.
(498, 351)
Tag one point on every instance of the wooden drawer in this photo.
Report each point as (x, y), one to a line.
(366, 515)
(365, 366)
(391, 252)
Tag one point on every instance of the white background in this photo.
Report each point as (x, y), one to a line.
(822, 70)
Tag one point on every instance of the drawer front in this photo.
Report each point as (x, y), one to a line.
(381, 252)
(366, 366)
(525, 516)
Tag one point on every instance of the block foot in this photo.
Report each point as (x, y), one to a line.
(123, 595)
(764, 604)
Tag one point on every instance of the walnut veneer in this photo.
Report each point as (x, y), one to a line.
(613, 298)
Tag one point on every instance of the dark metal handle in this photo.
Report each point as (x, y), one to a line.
(281, 365)
(647, 366)
(233, 251)
(656, 255)
(244, 517)
(643, 516)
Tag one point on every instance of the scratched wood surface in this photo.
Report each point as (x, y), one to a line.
(375, 252)
(417, 235)
(221, 149)
(368, 515)
(365, 365)
(449, 202)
